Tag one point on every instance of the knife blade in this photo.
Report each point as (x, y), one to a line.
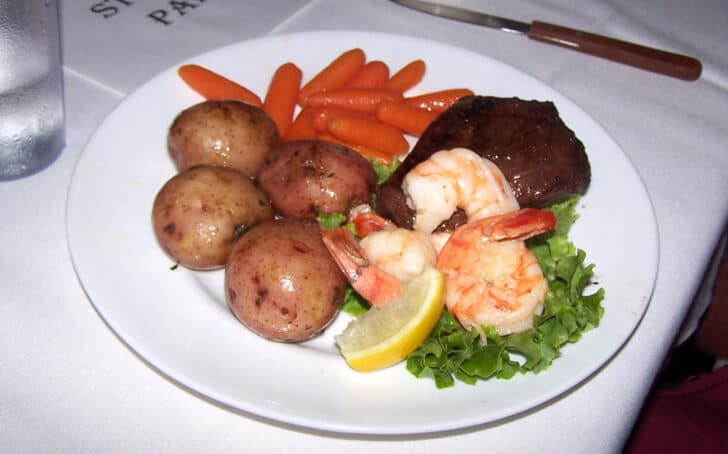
(632, 54)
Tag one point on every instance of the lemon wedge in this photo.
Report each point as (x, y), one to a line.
(385, 336)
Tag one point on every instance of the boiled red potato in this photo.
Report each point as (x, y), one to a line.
(200, 212)
(222, 133)
(310, 177)
(281, 282)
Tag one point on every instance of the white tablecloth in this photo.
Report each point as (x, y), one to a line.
(68, 384)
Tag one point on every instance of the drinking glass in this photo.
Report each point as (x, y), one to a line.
(31, 87)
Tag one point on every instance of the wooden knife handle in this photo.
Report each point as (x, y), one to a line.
(648, 58)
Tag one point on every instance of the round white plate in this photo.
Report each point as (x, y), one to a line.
(178, 321)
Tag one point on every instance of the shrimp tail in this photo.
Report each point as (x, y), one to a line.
(378, 287)
(366, 221)
(517, 225)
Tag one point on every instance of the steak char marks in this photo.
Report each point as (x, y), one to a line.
(541, 158)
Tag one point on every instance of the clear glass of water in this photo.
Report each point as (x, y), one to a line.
(31, 87)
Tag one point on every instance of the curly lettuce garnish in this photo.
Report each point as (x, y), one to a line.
(451, 352)
(354, 304)
(331, 220)
(384, 171)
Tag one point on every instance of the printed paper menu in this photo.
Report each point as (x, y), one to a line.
(122, 43)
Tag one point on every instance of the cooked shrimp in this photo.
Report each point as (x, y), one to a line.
(385, 257)
(378, 287)
(401, 253)
(452, 179)
(491, 277)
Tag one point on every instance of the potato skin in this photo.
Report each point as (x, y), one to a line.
(309, 177)
(199, 213)
(281, 282)
(224, 133)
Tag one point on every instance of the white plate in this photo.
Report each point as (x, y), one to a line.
(178, 320)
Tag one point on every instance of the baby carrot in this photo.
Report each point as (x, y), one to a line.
(410, 75)
(302, 127)
(214, 86)
(320, 116)
(359, 99)
(366, 152)
(280, 99)
(369, 133)
(438, 101)
(335, 75)
(409, 119)
(372, 75)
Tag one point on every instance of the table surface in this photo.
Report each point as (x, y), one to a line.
(70, 385)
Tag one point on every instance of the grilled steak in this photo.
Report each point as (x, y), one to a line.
(539, 155)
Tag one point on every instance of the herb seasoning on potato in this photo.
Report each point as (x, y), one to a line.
(311, 177)
(222, 133)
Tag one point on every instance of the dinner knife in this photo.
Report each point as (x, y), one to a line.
(643, 57)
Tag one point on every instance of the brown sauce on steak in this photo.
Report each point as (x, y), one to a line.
(541, 158)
